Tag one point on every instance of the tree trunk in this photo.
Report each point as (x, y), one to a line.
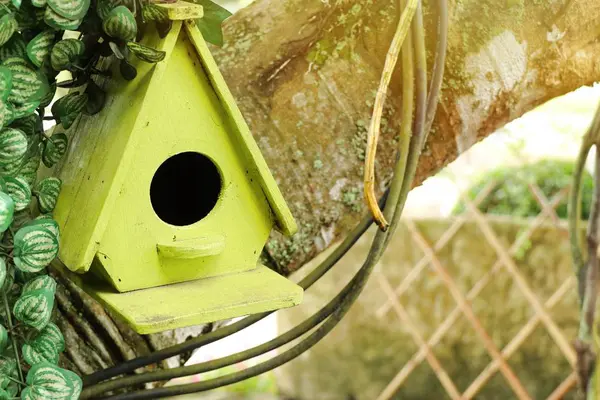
(305, 73)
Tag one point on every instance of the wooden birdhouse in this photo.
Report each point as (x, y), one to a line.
(167, 201)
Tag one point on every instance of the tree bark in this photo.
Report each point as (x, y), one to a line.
(305, 72)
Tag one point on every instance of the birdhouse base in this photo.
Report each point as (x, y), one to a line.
(195, 302)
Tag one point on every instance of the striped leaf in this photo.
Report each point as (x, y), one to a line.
(120, 23)
(28, 171)
(44, 281)
(65, 53)
(38, 354)
(51, 334)
(146, 53)
(30, 124)
(8, 369)
(6, 114)
(104, 7)
(47, 193)
(67, 108)
(50, 382)
(56, 21)
(38, 3)
(19, 191)
(47, 99)
(26, 82)
(152, 12)
(16, 3)
(39, 48)
(15, 47)
(71, 9)
(45, 221)
(35, 248)
(25, 109)
(7, 211)
(2, 272)
(3, 339)
(77, 384)
(5, 83)
(55, 149)
(34, 308)
(13, 145)
(8, 26)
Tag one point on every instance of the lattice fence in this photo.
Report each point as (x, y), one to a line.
(505, 264)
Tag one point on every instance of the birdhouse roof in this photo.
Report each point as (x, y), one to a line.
(254, 159)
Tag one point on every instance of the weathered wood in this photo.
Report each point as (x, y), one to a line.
(305, 73)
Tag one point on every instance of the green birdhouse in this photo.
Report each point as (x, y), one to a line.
(166, 201)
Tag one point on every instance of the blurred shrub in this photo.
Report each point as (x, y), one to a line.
(512, 196)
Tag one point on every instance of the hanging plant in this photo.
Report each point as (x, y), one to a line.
(34, 50)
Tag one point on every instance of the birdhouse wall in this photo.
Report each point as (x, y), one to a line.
(107, 213)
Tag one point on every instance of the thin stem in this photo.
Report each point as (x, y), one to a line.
(16, 380)
(373, 135)
(12, 336)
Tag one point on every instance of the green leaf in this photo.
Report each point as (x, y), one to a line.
(47, 99)
(45, 221)
(211, 23)
(4, 395)
(35, 248)
(30, 124)
(28, 171)
(26, 82)
(152, 12)
(55, 149)
(5, 83)
(19, 191)
(34, 308)
(6, 114)
(120, 23)
(15, 47)
(16, 3)
(146, 53)
(40, 282)
(65, 53)
(96, 98)
(3, 339)
(51, 334)
(128, 71)
(67, 108)
(49, 382)
(7, 211)
(8, 368)
(25, 109)
(70, 9)
(104, 7)
(8, 26)
(2, 273)
(38, 354)
(13, 145)
(39, 48)
(59, 22)
(47, 193)
(38, 3)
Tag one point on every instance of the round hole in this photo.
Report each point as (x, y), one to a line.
(185, 188)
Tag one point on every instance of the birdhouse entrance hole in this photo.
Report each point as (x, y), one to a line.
(185, 188)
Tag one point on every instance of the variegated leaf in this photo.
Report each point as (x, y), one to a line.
(152, 12)
(16, 3)
(47, 192)
(13, 145)
(30, 124)
(15, 47)
(76, 382)
(7, 211)
(38, 3)
(8, 26)
(5, 83)
(34, 308)
(26, 82)
(55, 149)
(39, 354)
(25, 109)
(146, 53)
(56, 21)
(6, 113)
(65, 53)
(8, 369)
(4, 395)
(40, 282)
(50, 334)
(67, 108)
(45, 221)
(39, 48)
(19, 191)
(120, 23)
(47, 99)
(35, 247)
(28, 171)
(49, 382)
(71, 9)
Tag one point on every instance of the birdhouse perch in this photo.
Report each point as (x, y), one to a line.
(166, 201)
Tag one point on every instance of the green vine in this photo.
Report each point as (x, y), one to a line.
(40, 42)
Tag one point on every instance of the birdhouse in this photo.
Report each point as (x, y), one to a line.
(167, 201)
